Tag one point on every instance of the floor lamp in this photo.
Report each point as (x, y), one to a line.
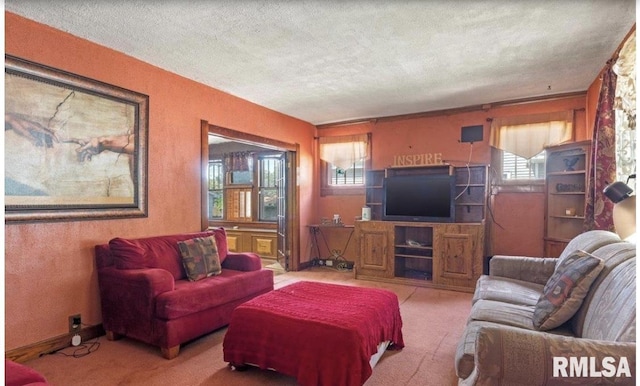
(624, 209)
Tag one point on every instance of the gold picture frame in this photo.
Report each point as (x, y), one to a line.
(75, 148)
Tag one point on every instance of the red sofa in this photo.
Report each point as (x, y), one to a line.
(145, 293)
(16, 374)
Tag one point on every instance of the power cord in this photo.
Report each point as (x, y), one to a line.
(494, 172)
(342, 265)
(468, 172)
(81, 350)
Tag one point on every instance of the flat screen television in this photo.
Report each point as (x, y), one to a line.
(428, 198)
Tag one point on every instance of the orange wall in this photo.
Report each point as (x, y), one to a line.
(49, 267)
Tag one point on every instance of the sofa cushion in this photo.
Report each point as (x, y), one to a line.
(564, 292)
(507, 290)
(502, 313)
(588, 241)
(200, 257)
(221, 242)
(128, 254)
(160, 251)
(612, 255)
(192, 297)
(611, 313)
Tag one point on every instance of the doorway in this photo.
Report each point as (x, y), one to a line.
(249, 188)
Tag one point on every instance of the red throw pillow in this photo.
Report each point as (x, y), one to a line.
(127, 254)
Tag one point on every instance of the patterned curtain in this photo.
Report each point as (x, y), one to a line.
(237, 161)
(625, 105)
(602, 170)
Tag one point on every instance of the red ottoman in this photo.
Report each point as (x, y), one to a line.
(321, 334)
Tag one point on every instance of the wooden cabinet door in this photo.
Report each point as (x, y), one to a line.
(375, 242)
(264, 245)
(458, 255)
(234, 242)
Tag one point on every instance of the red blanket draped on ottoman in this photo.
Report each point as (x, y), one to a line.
(322, 334)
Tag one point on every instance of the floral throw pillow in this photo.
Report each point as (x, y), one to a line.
(200, 257)
(566, 289)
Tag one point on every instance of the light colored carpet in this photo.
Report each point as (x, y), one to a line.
(433, 321)
(276, 268)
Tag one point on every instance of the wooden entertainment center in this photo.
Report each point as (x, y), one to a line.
(445, 255)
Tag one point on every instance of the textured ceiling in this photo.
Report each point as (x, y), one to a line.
(330, 61)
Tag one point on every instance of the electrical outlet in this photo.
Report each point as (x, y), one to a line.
(75, 323)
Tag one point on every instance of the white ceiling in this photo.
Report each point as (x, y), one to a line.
(331, 61)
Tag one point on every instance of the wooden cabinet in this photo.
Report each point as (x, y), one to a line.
(260, 241)
(374, 241)
(425, 254)
(459, 255)
(566, 180)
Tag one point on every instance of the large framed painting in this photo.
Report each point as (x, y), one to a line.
(75, 148)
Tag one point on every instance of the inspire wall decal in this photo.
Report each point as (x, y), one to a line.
(417, 159)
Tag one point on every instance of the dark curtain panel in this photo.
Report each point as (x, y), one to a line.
(602, 170)
(237, 161)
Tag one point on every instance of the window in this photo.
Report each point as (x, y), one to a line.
(625, 110)
(353, 176)
(519, 142)
(240, 192)
(216, 193)
(344, 161)
(515, 168)
(240, 168)
(267, 189)
(238, 204)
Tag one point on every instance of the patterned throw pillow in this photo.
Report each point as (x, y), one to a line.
(566, 289)
(200, 257)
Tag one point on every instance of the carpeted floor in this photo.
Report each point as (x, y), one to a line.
(433, 321)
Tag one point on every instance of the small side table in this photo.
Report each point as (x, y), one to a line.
(317, 234)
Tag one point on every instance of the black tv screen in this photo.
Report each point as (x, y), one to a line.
(426, 198)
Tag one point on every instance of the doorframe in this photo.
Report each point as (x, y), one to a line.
(293, 193)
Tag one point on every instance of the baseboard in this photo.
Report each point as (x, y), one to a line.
(304, 265)
(35, 350)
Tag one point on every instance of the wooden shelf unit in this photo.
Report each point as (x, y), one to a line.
(471, 193)
(471, 189)
(440, 255)
(373, 182)
(413, 252)
(567, 166)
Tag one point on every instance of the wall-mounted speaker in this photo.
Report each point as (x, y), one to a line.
(471, 133)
